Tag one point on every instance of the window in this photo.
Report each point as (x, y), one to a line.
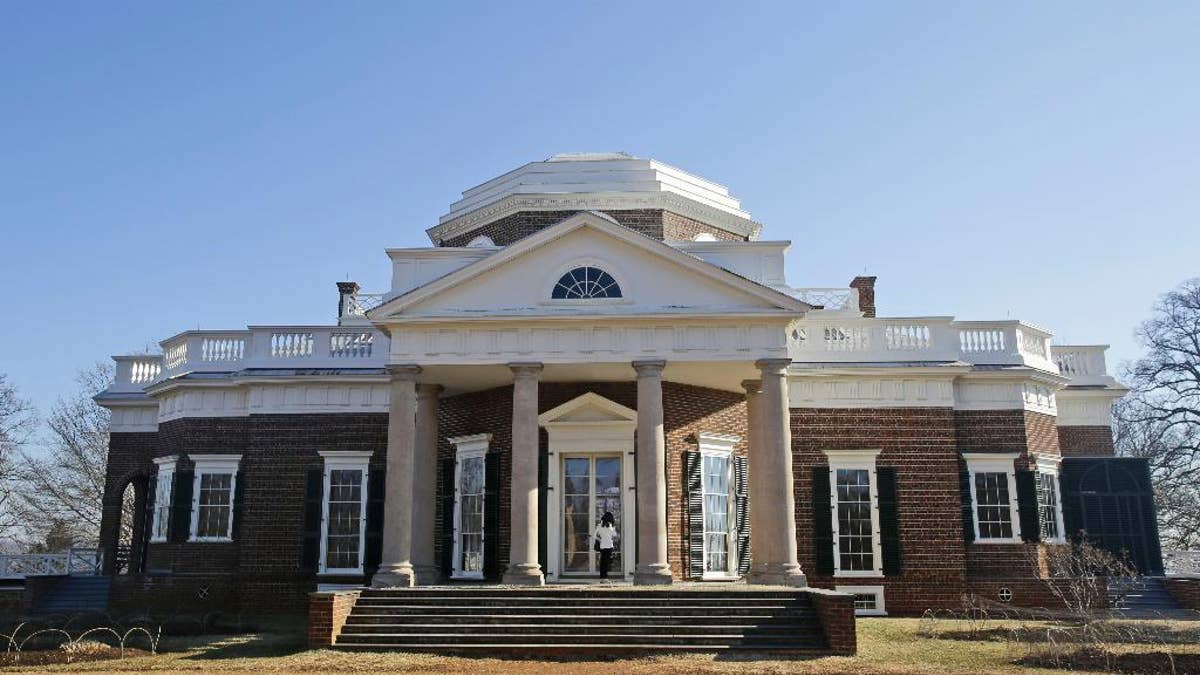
(1050, 523)
(164, 490)
(470, 483)
(586, 283)
(855, 504)
(994, 495)
(868, 600)
(344, 513)
(717, 502)
(213, 488)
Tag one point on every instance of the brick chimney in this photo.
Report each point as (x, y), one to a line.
(866, 294)
(347, 291)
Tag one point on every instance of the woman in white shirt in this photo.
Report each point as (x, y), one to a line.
(606, 535)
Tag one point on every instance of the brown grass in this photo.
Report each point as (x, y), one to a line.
(885, 646)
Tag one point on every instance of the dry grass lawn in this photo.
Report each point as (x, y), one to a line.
(885, 646)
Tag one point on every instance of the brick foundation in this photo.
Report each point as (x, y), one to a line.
(836, 613)
(1185, 590)
(327, 614)
(1086, 441)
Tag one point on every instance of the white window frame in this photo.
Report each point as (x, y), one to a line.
(165, 474)
(721, 445)
(352, 461)
(877, 591)
(1049, 464)
(466, 447)
(206, 465)
(856, 459)
(995, 462)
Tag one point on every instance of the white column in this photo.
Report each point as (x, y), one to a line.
(776, 509)
(396, 567)
(758, 471)
(523, 565)
(424, 507)
(652, 566)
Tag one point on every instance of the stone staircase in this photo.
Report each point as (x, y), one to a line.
(571, 621)
(75, 595)
(1145, 598)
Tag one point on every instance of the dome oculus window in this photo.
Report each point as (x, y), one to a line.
(586, 283)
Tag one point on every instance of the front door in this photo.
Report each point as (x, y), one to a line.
(592, 486)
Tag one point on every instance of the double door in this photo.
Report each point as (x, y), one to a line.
(592, 485)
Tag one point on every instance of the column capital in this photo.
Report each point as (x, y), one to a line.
(406, 372)
(772, 366)
(525, 368)
(649, 368)
(752, 386)
(429, 390)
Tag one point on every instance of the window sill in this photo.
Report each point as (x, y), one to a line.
(210, 540)
(870, 612)
(340, 573)
(858, 574)
(718, 576)
(1013, 540)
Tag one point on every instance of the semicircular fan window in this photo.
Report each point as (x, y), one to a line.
(585, 283)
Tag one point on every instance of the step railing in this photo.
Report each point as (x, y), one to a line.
(73, 561)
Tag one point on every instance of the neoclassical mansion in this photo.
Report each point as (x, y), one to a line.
(602, 333)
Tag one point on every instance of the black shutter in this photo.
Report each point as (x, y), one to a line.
(968, 507)
(1027, 506)
(741, 514)
(889, 519)
(376, 492)
(543, 495)
(491, 516)
(692, 468)
(822, 520)
(181, 507)
(139, 565)
(446, 503)
(314, 497)
(239, 497)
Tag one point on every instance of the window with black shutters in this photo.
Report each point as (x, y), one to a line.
(855, 512)
(1048, 507)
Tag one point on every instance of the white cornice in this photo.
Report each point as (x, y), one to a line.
(597, 201)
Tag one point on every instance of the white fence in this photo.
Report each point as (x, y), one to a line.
(76, 561)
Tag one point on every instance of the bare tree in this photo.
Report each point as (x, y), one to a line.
(1160, 420)
(61, 485)
(16, 424)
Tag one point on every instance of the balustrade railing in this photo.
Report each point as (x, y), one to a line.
(830, 298)
(77, 561)
(1182, 563)
(1084, 364)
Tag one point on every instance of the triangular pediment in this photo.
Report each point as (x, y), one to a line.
(653, 278)
(590, 408)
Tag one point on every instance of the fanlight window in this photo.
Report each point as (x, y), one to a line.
(586, 283)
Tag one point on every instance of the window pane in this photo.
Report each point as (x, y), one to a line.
(855, 535)
(586, 282)
(215, 501)
(993, 505)
(717, 540)
(1047, 491)
(470, 514)
(343, 529)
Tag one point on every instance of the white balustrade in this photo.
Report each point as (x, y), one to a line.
(830, 298)
(144, 371)
(76, 561)
(1032, 343)
(361, 303)
(912, 337)
(291, 345)
(981, 340)
(222, 348)
(175, 355)
(1084, 364)
(351, 345)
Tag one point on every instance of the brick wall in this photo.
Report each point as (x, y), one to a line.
(327, 614)
(129, 461)
(1086, 441)
(1185, 590)
(920, 443)
(654, 223)
(836, 614)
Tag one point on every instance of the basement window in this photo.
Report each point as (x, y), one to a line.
(868, 600)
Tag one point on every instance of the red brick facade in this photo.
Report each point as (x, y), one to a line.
(654, 223)
(1086, 441)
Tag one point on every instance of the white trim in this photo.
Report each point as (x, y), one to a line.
(211, 464)
(994, 462)
(877, 591)
(1050, 465)
(358, 460)
(165, 474)
(467, 447)
(856, 459)
(720, 445)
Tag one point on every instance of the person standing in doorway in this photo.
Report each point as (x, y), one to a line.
(606, 536)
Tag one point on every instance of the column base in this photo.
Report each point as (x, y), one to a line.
(776, 574)
(394, 576)
(656, 574)
(427, 575)
(524, 574)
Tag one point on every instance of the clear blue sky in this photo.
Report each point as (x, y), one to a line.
(166, 166)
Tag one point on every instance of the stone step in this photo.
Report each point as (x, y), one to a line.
(780, 631)
(544, 638)
(579, 648)
(575, 619)
(576, 602)
(629, 610)
(578, 594)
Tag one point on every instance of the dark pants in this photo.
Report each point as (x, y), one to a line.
(605, 562)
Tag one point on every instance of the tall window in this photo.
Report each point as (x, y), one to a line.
(1050, 523)
(164, 490)
(856, 534)
(583, 283)
(994, 494)
(344, 512)
(717, 541)
(212, 499)
(470, 484)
